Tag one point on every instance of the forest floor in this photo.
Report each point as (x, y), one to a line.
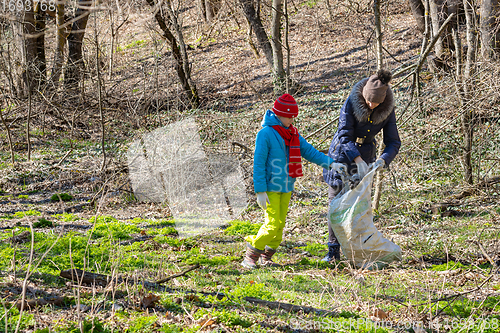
(59, 211)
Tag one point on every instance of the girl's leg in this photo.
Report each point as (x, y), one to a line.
(284, 202)
(273, 222)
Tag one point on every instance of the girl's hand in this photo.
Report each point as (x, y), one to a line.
(262, 200)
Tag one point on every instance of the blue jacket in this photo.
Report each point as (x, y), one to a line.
(270, 163)
(358, 121)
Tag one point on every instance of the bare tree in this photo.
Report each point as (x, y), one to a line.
(278, 71)
(74, 65)
(417, 9)
(380, 64)
(253, 17)
(179, 50)
(61, 35)
(468, 84)
(489, 39)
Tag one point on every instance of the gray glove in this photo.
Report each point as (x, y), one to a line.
(339, 167)
(362, 169)
(262, 200)
(379, 163)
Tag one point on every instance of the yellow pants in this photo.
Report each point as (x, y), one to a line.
(271, 232)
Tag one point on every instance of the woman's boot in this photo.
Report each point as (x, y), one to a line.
(333, 252)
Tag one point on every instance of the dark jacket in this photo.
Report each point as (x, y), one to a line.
(358, 121)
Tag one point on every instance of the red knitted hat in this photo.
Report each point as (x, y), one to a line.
(285, 106)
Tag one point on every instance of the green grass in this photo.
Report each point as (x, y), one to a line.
(31, 212)
(65, 197)
(242, 228)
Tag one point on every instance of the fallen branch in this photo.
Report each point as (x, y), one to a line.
(290, 307)
(485, 254)
(77, 275)
(178, 274)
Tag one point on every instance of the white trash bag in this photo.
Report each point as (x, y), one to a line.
(351, 218)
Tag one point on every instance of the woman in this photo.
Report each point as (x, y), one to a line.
(368, 109)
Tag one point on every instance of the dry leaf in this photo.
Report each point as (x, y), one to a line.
(149, 300)
(143, 232)
(192, 298)
(206, 322)
(380, 314)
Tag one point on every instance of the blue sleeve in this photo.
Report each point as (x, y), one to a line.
(346, 131)
(312, 155)
(259, 162)
(391, 139)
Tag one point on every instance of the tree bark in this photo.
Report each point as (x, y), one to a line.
(380, 65)
(469, 70)
(254, 18)
(278, 72)
(437, 18)
(378, 34)
(25, 32)
(179, 56)
(61, 35)
(40, 61)
(194, 98)
(417, 9)
(75, 65)
(488, 12)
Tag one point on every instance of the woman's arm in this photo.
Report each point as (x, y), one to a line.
(391, 139)
(345, 130)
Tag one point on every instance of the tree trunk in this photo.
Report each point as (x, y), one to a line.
(61, 35)
(177, 53)
(468, 115)
(278, 72)
(378, 34)
(417, 9)
(488, 13)
(203, 10)
(262, 39)
(25, 30)
(75, 65)
(437, 18)
(380, 65)
(40, 61)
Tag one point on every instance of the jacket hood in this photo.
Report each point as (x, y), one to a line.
(361, 110)
(270, 119)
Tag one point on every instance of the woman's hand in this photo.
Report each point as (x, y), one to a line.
(362, 167)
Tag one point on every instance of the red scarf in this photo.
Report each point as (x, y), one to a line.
(291, 137)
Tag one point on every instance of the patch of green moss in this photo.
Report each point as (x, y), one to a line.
(43, 223)
(61, 197)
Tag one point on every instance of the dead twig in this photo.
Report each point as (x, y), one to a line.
(168, 278)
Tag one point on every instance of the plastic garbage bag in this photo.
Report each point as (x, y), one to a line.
(351, 216)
